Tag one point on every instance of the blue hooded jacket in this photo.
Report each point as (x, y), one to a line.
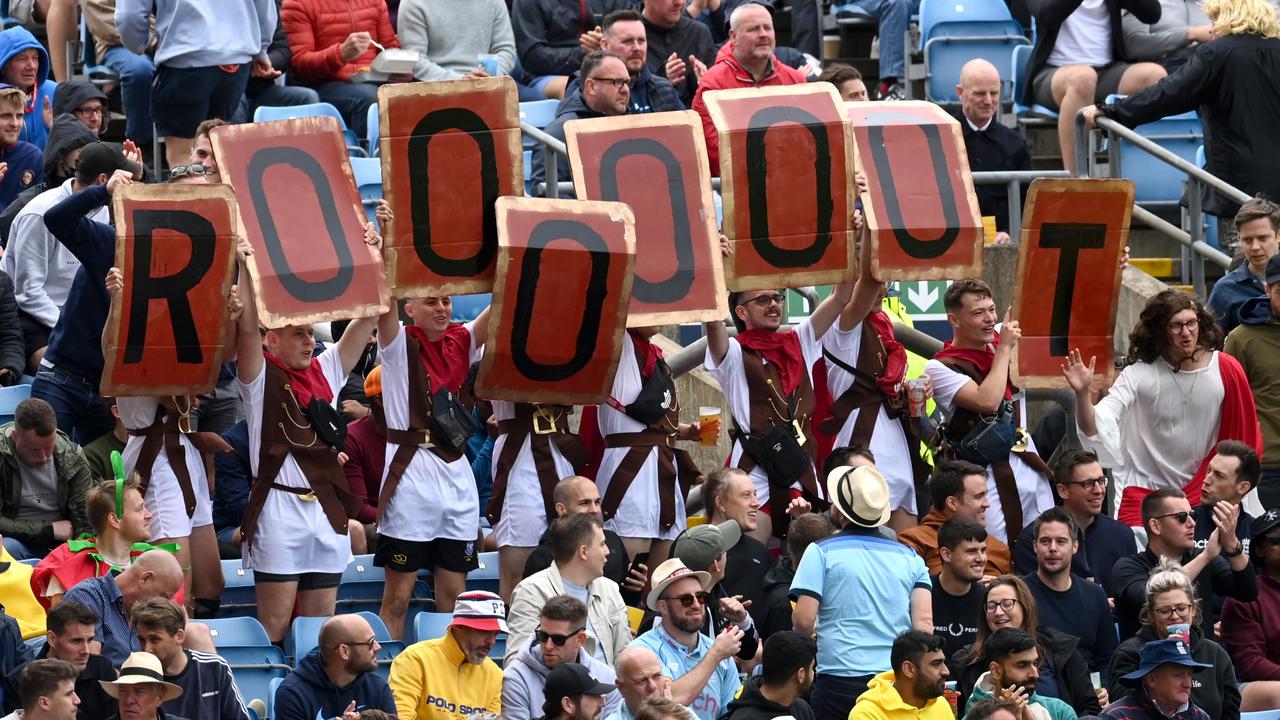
(13, 41)
(1256, 311)
(309, 694)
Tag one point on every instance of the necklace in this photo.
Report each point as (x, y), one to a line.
(1189, 392)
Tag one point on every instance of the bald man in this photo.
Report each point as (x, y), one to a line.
(640, 677)
(155, 573)
(991, 146)
(337, 673)
(576, 494)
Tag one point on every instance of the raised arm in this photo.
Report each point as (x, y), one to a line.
(248, 338)
(985, 398)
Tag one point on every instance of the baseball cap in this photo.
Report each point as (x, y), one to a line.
(1161, 652)
(98, 158)
(570, 680)
(701, 545)
(480, 610)
(1273, 270)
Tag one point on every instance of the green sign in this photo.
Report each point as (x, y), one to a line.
(923, 298)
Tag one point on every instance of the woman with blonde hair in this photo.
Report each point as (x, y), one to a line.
(1234, 83)
(1173, 610)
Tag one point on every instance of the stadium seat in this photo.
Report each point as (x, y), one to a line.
(238, 597)
(953, 33)
(1155, 182)
(467, 307)
(266, 113)
(368, 175)
(485, 577)
(303, 636)
(258, 681)
(538, 113)
(1261, 715)
(1022, 56)
(528, 172)
(99, 75)
(9, 399)
(271, 696)
(238, 632)
(375, 127)
(363, 585)
(430, 625)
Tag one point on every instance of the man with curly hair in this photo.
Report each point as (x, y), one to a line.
(1176, 400)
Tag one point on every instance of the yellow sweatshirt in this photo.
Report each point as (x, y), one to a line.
(432, 680)
(881, 701)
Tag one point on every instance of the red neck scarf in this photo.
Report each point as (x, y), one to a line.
(448, 359)
(306, 384)
(781, 349)
(980, 359)
(646, 352)
(895, 362)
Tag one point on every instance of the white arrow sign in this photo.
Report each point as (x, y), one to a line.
(922, 296)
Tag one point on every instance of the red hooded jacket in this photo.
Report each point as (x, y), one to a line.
(728, 73)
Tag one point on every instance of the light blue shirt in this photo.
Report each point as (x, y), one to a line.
(863, 584)
(677, 660)
(583, 594)
(198, 33)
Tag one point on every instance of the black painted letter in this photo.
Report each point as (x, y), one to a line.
(911, 245)
(758, 187)
(1070, 238)
(530, 269)
(172, 288)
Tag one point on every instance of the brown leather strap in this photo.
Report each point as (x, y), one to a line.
(165, 432)
(1010, 501)
(517, 429)
(673, 466)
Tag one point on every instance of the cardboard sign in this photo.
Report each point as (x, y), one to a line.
(631, 159)
(167, 328)
(561, 292)
(922, 214)
(1073, 235)
(301, 212)
(786, 170)
(449, 150)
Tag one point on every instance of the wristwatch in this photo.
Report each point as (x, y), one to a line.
(1238, 551)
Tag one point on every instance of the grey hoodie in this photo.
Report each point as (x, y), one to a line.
(524, 678)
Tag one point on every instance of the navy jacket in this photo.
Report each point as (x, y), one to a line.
(308, 694)
(75, 345)
(1230, 293)
(26, 168)
(234, 477)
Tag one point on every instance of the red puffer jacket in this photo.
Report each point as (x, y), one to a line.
(316, 29)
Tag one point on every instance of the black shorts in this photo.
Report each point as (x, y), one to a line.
(182, 98)
(1108, 83)
(411, 556)
(306, 581)
(34, 335)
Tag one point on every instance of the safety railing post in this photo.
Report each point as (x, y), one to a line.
(1014, 190)
(549, 161)
(1082, 146)
(1196, 225)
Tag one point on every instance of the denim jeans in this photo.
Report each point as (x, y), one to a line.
(14, 547)
(136, 73)
(894, 17)
(353, 101)
(78, 406)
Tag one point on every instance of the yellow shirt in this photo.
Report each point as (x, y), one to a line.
(432, 680)
(18, 599)
(881, 701)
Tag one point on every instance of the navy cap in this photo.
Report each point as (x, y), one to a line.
(568, 680)
(1273, 270)
(1264, 524)
(1161, 652)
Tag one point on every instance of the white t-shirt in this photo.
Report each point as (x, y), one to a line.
(1085, 37)
(524, 512)
(293, 535)
(1033, 488)
(888, 440)
(733, 382)
(164, 495)
(639, 513)
(434, 499)
(1155, 426)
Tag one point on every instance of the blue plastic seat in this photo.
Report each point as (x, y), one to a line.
(538, 113)
(9, 399)
(1261, 715)
(1022, 56)
(244, 632)
(368, 175)
(485, 577)
(953, 32)
(239, 599)
(374, 126)
(467, 307)
(362, 587)
(266, 113)
(430, 625)
(258, 682)
(1155, 182)
(303, 636)
(97, 74)
(272, 689)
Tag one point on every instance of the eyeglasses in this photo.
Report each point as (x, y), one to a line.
(192, 170)
(1167, 612)
(1005, 605)
(617, 83)
(1089, 483)
(90, 111)
(765, 301)
(543, 636)
(1178, 517)
(1177, 327)
(370, 643)
(688, 599)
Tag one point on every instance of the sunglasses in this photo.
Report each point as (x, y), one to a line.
(559, 640)
(688, 599)
(192, 170)
(1178, 517)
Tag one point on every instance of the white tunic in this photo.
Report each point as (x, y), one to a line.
(1033, 488)
(1155, 426)
(733, 383)
(293, 535)
(888, 440)
(164, 494)
(639, 513)
(524, 514)
(434, 499)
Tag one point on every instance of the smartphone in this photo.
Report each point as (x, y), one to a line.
(640, 559)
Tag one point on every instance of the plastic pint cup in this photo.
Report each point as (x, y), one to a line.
(708, 425)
